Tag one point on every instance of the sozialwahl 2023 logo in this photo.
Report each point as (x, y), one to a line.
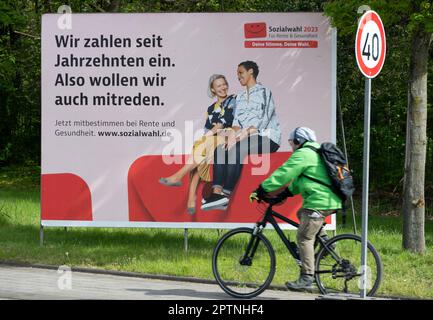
(255, 30)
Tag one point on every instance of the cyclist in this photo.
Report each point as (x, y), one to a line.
(318, 200)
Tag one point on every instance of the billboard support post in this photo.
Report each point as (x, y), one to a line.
(185, 236)
(41, 235)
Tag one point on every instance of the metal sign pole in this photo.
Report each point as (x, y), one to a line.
(365, 181)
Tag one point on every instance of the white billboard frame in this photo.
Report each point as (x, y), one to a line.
(211, 225)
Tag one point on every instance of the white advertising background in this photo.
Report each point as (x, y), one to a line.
(302, 81)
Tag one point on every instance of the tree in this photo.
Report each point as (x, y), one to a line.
(417, 17)
(416, 137)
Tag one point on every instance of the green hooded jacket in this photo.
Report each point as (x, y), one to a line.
(308, 162)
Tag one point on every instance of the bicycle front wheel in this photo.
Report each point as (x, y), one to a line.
(340, 270)
(243, 264)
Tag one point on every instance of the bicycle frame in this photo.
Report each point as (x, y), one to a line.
(269, 217)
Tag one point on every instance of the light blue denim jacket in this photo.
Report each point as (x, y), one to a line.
(258, 110)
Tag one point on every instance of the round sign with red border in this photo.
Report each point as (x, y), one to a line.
(370, 44)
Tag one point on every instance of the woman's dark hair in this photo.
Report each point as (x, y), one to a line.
(248, 65)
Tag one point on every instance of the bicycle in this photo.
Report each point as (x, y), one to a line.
(244, 262)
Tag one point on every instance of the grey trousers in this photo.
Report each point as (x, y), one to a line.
(310, 223)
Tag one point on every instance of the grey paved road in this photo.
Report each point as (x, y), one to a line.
(42, 284)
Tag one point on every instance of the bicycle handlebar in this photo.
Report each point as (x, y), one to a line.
(272, 201)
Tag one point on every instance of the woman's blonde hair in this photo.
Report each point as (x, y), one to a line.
(211, 81)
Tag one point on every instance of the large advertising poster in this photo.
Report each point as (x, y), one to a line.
(126, 99)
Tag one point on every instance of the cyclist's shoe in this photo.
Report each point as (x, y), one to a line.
(215, 202)
(304, 283)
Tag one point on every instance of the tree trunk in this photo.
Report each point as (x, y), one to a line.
(416, 143)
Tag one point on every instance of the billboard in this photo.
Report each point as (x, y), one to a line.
(125, 98)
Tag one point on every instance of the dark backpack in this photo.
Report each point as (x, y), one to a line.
(336, 166)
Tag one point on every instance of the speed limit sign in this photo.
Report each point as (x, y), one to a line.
(370, 48)
(370, 44)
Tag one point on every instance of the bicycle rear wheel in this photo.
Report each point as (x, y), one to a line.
(243, 264)
(343, 275)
